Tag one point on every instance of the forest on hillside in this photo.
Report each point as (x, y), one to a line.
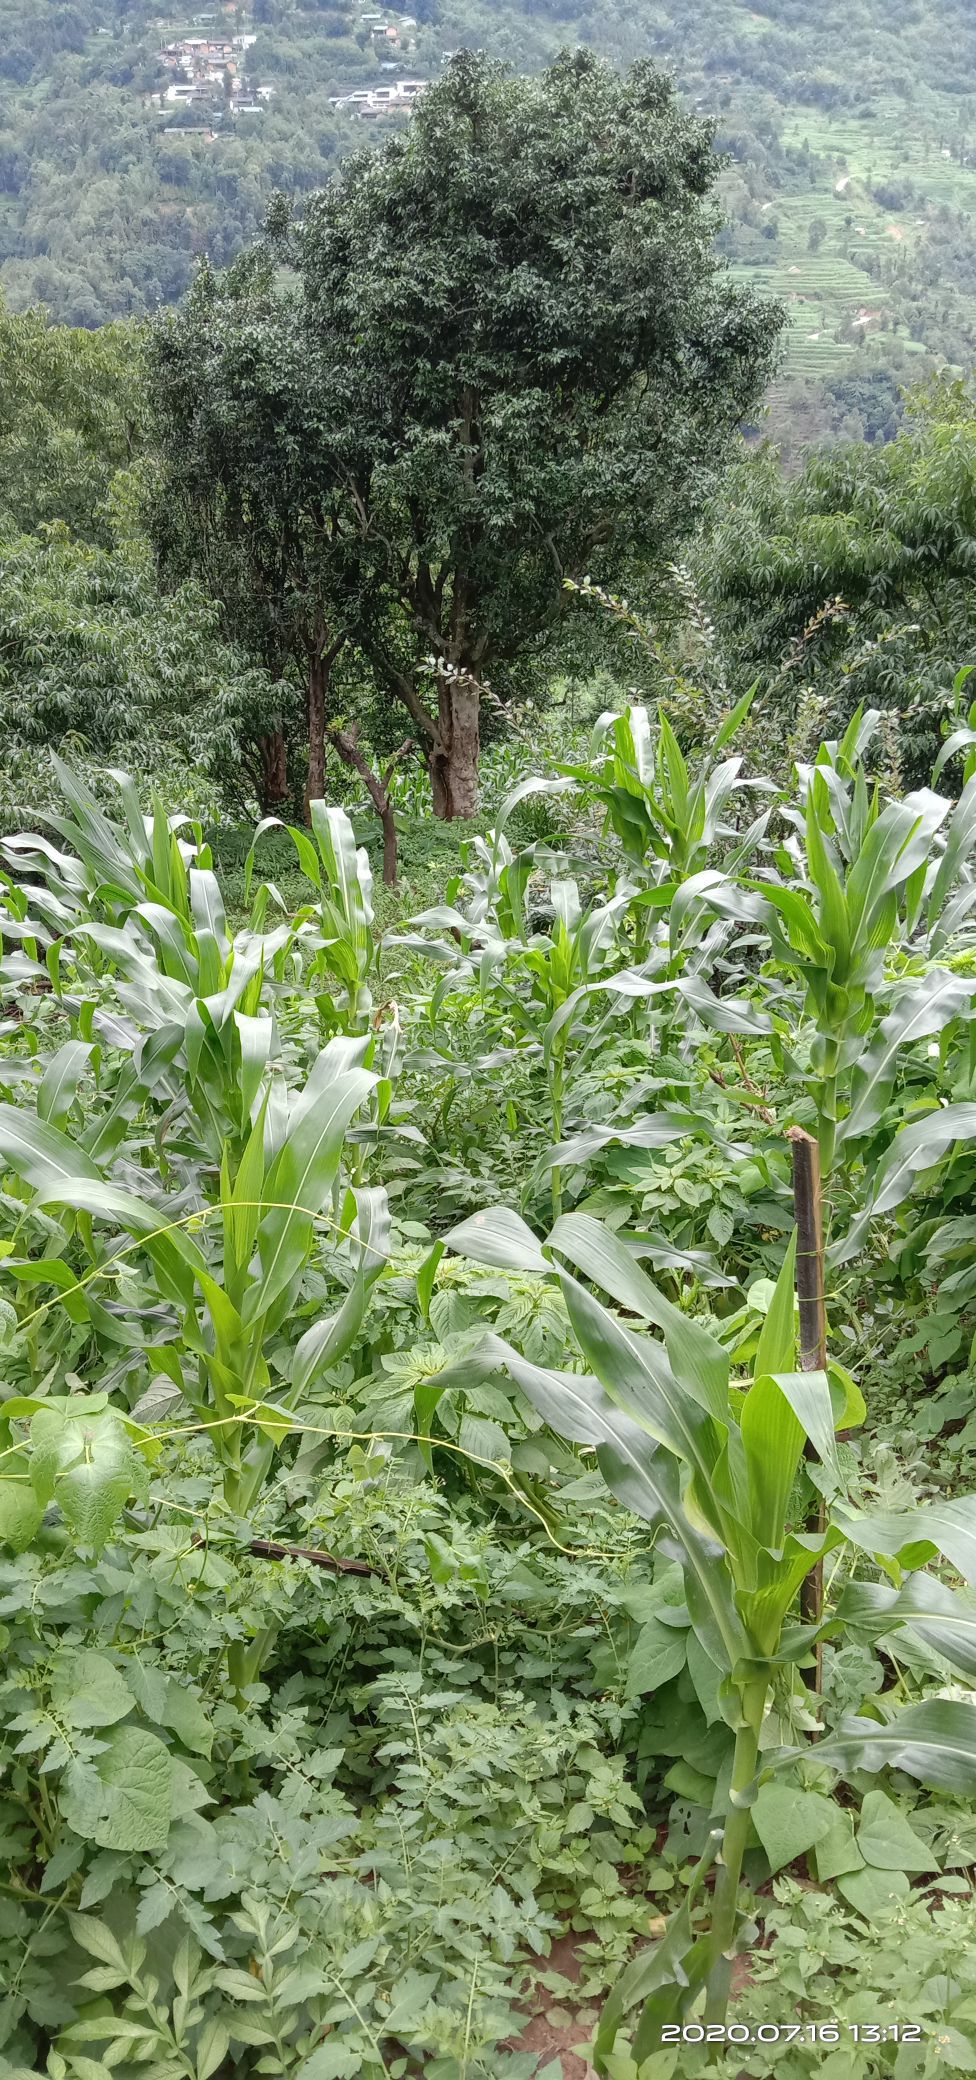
(850, 133)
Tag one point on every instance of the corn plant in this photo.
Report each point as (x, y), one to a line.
(668, 821)
(337, 930)
(867, 893)
(111, 866)
(232, 1284)
(715, 1468)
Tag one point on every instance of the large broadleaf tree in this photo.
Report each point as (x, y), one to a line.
(496, 354)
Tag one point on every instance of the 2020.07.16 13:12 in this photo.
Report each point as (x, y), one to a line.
(792, 2032)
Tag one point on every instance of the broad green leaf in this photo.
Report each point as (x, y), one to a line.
(184, 1714)
(88, 1690)
(659, 1653)
(837, 1851)
(123, 1799)
(96, 1939)
(789, 1821)
(21, 1514)
(87, 1465)
(886, 1839)
(871, 1891)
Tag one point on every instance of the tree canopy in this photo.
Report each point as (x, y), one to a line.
(853, 581)
(508, 356)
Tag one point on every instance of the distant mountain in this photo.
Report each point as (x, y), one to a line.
(850, 129)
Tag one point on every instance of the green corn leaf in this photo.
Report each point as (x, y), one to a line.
(241, 1207)
(176, 1256)
(698, 1360)
(637, 1375)
(934, 1742)
(781, 1410)
(300, 1180)
(772, 1439)
(207, 906)
(926, 1008)
(834, 921)
(53, 1271)
(895, 846)
(776, 1349)
(912, 1538)
(58, 1087)
(645, 1480)
(730, 726)
(916, 1147)
(426, 1277)
(500, 1238)
(40, 1153)
(308, 858)
(663, 1980)
(256, 1038)
(804, 936)
(942, 1619)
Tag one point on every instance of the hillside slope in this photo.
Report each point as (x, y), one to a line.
(850, 128)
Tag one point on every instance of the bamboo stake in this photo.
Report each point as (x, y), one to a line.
(808, 1208)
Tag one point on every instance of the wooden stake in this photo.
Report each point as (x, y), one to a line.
(808, 1207)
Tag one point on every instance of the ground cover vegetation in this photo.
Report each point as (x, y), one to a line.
(446, 1592)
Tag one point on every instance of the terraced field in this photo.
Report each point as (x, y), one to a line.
(858, 279)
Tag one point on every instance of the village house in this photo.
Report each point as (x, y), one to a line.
(380, 101)
(206, 70)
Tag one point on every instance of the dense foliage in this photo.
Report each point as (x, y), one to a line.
(414, 1468)
(849, 133)
(511, 359)
(853, 582)
(93, 653)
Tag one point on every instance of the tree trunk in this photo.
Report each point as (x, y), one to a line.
(318, 679)
(453, 757)
(273, 783)
(391, 845)
(377, 786)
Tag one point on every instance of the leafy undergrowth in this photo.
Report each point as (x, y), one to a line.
(412, 1470)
